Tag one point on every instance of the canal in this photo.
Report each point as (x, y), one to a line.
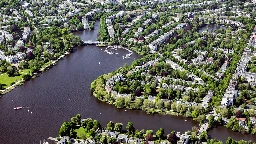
(64, 91)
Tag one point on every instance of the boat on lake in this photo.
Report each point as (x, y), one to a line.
(17, 108)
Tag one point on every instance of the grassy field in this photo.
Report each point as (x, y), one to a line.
(7, 81)
(81, 132)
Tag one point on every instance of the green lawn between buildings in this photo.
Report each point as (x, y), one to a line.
(81, 133)
(7, 81)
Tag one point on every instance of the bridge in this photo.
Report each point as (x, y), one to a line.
(90, 42)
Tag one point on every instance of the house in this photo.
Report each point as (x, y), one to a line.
(199, 59)
(64, 140)
(85, 23)
(152, 47)
(25, 4)
(141, 39)
(122, 138)
(207, 99)
(184, 139)
(135, 141)
(229, 97)
(155, 15)
(29, 13)
(253, 120)
(242, 122)
(250, 77)
(26, 33)
(9, 37)
(210, 60)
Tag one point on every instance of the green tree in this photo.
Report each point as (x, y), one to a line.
(11, 71)
(195, 113)
(211, 120)
(65, 129)
(26, 77)
(23, 65)
(118, 127)
(204, 136)
(73, 134)
(229, 140)
(160, 133)
(111, 140)
(120, 102)
(110, 126)
(159, 104)
(78, 116)
(130, 128)
(103, 139)
(224, 112)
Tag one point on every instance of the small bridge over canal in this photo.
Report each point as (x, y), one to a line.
(90, 42)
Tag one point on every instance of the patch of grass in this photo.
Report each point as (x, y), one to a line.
(81, 133)
(8, 81)
(46, 64)
(25, 71)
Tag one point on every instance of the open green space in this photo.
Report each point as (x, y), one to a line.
(81, 132)
(8, 81)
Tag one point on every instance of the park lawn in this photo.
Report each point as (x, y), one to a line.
(7, 81)
(81, 133)
(25, 71)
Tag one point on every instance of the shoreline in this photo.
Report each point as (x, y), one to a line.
(149, 111)
(34, 75)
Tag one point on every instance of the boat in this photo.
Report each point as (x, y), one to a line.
(99, 62)
(17, 108)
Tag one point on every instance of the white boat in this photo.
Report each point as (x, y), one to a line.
(99, 62)
(17, 108)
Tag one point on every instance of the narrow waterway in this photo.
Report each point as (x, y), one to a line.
(64, 91)
(222, 133)
(211, 28)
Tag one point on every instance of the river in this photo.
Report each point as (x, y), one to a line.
(64, 91)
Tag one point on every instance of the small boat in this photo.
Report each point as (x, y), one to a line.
(185, 120)
(99, 62)
(116, 53)
(17, 108)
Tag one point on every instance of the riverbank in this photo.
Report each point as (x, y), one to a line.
(45, 67)
(98, 88)
(89, 130)
(103, 89)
